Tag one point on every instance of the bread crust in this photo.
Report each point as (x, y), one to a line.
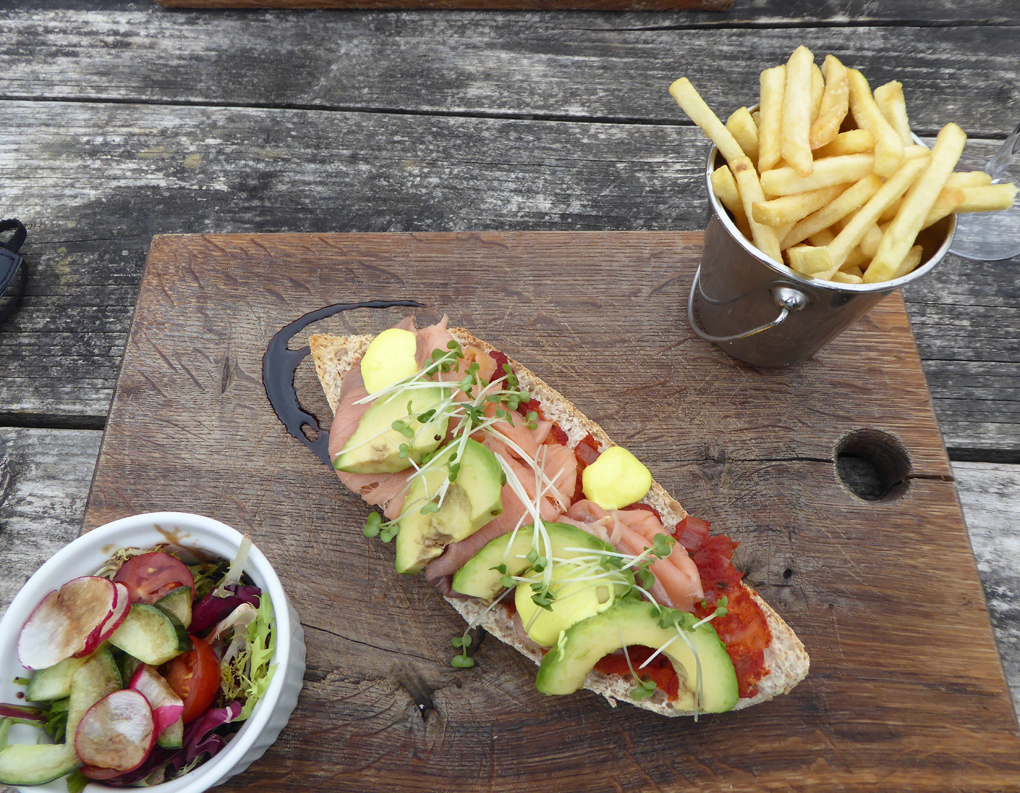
(785, 657)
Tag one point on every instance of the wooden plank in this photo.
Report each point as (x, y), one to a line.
(154, 169)
(988, 495)
(765, 13)
(605, 69)
(446, 5)
(892, 696)
(44, 482)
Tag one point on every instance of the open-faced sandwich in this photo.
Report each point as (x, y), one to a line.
(536, 527)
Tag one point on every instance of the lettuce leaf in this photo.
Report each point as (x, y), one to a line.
(246, 676)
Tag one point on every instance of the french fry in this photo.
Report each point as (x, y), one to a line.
(855, 260)
(946, 198)
(817, 91)
(851, 236)
(947, 202)
(827, 172)
(839, 225)
(791, 208)
(890, 101)
(782, 231)
(809, 260)
(796, 126)
(833, 108)
(770, 123)
(871, 240)
(845, 206)
(823, 237)
(888, 146)
(693, 105)
(914, 150)
(903, 229)
(968, 179)
(764, 237)
(910, 262)
(745, 131)
(988, 198)
(725, 188)
(890, 211)
(853, 141)
(851, 200)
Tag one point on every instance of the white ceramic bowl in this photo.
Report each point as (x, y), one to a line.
(86, 555)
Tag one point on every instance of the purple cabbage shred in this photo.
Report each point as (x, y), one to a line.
(211, 609)
(24, 712)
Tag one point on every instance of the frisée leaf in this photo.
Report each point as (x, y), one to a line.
(246, 676)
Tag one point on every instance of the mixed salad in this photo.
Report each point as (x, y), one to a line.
(141, 672)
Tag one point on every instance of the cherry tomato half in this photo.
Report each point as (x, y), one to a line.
(152, 575)
(195, 678)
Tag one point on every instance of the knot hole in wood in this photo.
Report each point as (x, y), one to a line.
(872, 465)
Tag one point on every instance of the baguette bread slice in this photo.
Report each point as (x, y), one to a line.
(785, 658)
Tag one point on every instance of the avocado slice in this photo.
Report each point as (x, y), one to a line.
(574, 601)
(580, 647)
(374, 447)
(477, 578)
(471, 501)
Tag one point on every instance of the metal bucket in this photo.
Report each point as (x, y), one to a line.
(762, 312)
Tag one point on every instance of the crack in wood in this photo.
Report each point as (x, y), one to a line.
(6, 477)
(387, 650)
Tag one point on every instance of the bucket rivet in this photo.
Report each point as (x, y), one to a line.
(789, 298)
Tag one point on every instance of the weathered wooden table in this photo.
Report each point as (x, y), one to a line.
(121, 121)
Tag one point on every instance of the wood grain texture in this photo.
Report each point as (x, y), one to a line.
(987, 492)
(581, 68)
(481, 5)
(895, 693)
(154, 169)
(45, 473)
(44, 482)
(763, 13)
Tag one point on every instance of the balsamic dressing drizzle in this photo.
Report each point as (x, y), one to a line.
(279, 365)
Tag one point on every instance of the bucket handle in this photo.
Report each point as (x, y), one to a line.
(787, 300)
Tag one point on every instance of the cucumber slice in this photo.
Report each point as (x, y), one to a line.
(53, 682)
(151, 635)
(36, 764)
(173, 736)
(177, 604)
(93, 680)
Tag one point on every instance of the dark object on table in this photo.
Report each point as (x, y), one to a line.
(12, 274)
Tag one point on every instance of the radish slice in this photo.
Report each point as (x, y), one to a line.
(166, 706)
(68, 622)
(117, 733)
(121, 607)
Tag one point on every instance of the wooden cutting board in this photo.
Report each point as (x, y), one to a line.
(906, 690)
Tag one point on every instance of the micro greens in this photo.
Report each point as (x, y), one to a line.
(465, 403)
(462, 661)
(463, 642)
(474, 406)
(644, 688)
